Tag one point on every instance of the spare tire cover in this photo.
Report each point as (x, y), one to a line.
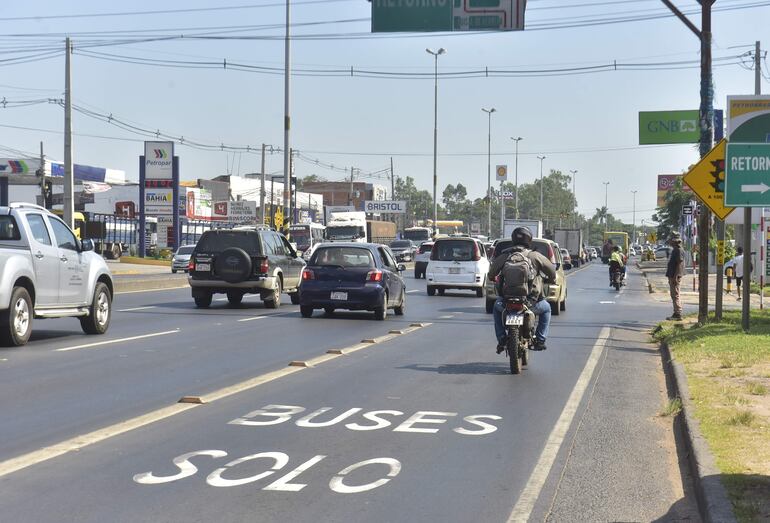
(233, 265)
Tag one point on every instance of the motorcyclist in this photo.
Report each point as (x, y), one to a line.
(617, 262)
(522, 239)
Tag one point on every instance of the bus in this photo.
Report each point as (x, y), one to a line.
(448, 227)
(306, 236)
(417, 234)
(618, 238)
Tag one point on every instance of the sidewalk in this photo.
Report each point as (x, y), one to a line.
(125, 269)
(655, 272)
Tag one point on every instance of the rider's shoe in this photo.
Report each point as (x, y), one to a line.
(539, 345)
(500, 346)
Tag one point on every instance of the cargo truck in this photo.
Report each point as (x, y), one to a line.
(572, 240)
(534, 226)
(353, 226)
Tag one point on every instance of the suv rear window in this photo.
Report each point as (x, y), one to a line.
(8, 229)
(342, 256)
(454, 250)
(539, 246)
(400, 243)
(218, 241)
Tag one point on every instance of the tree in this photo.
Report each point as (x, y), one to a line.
(669, 216)
(309, 179)
(419, 204)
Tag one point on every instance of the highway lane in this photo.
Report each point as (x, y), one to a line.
(461, 439)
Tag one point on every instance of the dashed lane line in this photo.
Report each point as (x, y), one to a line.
(254, 318)
(522, 511)
(138, 308)
(119, 340)
(73, 444)
(413, 291)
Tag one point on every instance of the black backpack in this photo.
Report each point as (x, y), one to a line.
(519, 275)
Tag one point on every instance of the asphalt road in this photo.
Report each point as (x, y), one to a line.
(425, 426)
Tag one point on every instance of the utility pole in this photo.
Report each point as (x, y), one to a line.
(516, 196)
(489, 170)
(68, 200)
(606, 208)
(435, 54)
(633, 236)
(541, 158)
(262, 189)
(286, 116)
(41, 172)
(706, 143)
(394, 216)
(350, 193)
(574, 193)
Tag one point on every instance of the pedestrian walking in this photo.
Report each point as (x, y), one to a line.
(736, 264)
(674, 273)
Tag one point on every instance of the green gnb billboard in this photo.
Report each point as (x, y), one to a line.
(658, 127)
(420, 16)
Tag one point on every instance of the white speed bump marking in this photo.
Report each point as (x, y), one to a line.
(252, 319)
(138, 308)
(523, 509)
(119, 340)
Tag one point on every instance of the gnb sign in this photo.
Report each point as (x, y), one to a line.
(384, 206)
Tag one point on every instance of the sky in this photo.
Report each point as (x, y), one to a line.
(586, 122)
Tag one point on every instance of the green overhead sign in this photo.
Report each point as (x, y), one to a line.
(659, 127)
(747, 168)
(418, 16)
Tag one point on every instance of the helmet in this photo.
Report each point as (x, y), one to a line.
(616, 248)
(521, 236)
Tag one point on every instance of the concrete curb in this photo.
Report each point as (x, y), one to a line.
(150, 282)
(713, 503)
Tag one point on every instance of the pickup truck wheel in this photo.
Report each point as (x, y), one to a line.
(16, 322)
(563, 304)
(202, 300)
(431, 290)
(490, 305)
(555, 308)
(273, 300)
(100, 312)
(294, 298)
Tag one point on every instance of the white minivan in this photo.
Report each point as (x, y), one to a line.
(457, 263)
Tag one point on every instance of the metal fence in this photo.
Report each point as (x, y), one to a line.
(193, 229)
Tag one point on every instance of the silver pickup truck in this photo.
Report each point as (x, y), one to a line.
(46, 272)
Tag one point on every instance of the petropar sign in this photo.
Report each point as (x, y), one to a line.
(390, 207)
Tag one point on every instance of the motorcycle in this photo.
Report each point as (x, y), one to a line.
(617, 278)
(519, 323)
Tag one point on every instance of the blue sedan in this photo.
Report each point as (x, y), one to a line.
(352, 276)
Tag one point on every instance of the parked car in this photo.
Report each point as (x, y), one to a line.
(244, 260)
(555, 293)
(353, 276)
(421, 259)
(566, 258)
(47, 272)
(181, 259)
(457, 263)
(403, 250)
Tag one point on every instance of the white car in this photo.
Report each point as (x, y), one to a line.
(457, 263)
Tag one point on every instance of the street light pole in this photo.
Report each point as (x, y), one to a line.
(633, 236)
(606, 208)
(489, 170)
(435, 131)
(541, 158)
(574, 194)
(516, 196)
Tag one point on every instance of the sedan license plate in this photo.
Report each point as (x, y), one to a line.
(339, 295)
(514, 319)
(203, 267)
(454, 270)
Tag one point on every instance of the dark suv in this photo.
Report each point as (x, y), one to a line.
(244, 260)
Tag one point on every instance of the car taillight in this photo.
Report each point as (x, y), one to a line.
(551, 255)
(476, 253)
(375, 275)
(264, 267)
(191, 265)
(514, 306)
(307, 274)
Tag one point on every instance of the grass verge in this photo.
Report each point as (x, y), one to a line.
(728, 372)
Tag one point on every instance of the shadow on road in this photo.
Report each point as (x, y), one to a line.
(463, 368)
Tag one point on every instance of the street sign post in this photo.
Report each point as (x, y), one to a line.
(501, 173)
(390, 16)
(707, 180)
(748, 171)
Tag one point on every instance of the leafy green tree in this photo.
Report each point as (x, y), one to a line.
(669, 216)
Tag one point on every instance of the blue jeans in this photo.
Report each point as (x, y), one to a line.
(542, 310)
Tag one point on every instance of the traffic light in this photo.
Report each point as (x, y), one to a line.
(718, 172)
(48, 194)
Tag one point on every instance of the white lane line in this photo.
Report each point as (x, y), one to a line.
(447, 317)
(413, 291)
(137, 308)
(254, 318)
(606, 302)
(119, 340)
(522, 511)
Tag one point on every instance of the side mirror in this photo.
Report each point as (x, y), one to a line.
(401, 267)
(86, 245)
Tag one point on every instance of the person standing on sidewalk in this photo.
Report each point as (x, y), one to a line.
(736, 264)
(674, 273)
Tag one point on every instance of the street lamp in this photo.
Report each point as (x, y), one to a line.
(634, 219)
(516, 196)
(541, 158)
(435, 54)
(489, 169)
(606, 209)
(574, 193)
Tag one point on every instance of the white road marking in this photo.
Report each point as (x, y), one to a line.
(119, 340)
(154, 290)
(523, 509)
(138, 308)
(606, 302)
(252, 319)
(413, 291)
(447, 317)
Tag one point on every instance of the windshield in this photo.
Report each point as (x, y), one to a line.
(218, 241)
(349, 231)
(419, 235)
(342, 257)
(301, 237)
(187, 249)
(400, 244)
(455, 250)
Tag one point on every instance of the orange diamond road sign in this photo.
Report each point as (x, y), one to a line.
(707, 180)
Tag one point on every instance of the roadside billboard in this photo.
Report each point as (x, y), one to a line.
(666, 183)
(243, 211)
(748, 119)
(390, 207)
(662, 127)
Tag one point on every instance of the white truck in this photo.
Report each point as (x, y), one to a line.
(346, 227)
(47, 272)
(534, 226)
(572, 240)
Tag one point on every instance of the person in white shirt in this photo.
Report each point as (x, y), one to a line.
(737, 266)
